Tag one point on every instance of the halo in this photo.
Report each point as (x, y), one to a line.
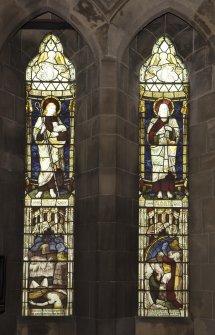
(166, 101)
(52, 99)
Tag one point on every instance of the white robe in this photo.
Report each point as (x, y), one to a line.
(163, 155)
(51, 151)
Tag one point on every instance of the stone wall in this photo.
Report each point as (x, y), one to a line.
(109, 42)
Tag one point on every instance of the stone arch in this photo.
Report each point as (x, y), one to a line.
(74, 17)
(12, 119)
(198, 55)
(138, 19)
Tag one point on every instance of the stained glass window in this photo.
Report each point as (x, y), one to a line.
(163, 191)
(49, 184)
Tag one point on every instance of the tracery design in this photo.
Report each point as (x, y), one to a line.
(163, 192)
(49, 187)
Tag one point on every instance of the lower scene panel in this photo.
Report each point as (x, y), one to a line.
(48, 261)
(163, 259)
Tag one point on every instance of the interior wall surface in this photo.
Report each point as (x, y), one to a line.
(109, 42)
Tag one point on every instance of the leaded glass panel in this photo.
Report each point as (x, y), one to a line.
(163, 184)
(49, 185)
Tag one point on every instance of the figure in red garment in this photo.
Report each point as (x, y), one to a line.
(163, 135)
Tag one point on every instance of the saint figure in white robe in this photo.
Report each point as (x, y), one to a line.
(163, 136)
(50, 134)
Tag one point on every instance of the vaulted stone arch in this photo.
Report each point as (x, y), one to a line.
(20, 46)
(198, 54)
(23, 11)
(139, 15)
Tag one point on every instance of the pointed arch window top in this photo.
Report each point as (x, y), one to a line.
(164, 71)
(50, 69)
